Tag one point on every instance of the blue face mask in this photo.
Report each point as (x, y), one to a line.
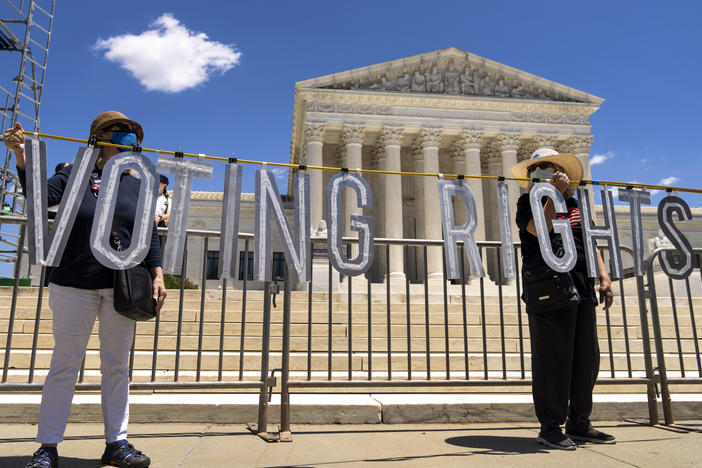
(124, 138)
(543, 174)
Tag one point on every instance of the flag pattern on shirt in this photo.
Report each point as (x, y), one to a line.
(573, 216)
(95, 178)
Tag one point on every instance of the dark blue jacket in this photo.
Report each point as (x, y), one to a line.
(79, 268)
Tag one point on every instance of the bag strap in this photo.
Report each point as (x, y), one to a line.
(115, 232)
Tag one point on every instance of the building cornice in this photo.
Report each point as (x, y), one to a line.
(462, 57)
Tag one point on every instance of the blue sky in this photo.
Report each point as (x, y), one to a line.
(642, 57)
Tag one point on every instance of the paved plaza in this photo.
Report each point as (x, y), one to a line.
(497, 444)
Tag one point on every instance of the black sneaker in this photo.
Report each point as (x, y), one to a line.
(124, 455)
(591, 435)
(45, 457)
(556, 440)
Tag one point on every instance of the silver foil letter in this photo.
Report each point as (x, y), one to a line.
(295, 249)
(362, 224)
(465, 233)
(35, 200)
(49, 250)
(105, 211)
(636, 198)
(560, 226)
(184, 171)
(677, 265)
(230, 221)
(591, 233)
(508, 263)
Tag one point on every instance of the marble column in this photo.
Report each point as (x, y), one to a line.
(458, 166)
(390, 140)
(377, 158)
(492, 226)
(466, 159)
(494, 168)
(545, 141)
(314, 137)
(377, 183)
(431, 223)
(581, 149)
(418, 187)
(352, 141)
(508, 153)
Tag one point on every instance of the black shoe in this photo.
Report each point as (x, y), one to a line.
(591, 435)
(45, 457)
(556, 440)
(124, 455)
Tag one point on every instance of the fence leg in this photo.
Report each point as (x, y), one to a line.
(648, 361)
(655, 322)
(261, 427)
(284, 434)
(13, 306)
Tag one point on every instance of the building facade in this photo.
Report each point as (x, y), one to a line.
(447, 111)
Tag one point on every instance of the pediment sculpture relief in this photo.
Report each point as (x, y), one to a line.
(451, 78)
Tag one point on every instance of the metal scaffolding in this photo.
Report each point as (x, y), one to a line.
(25, 34)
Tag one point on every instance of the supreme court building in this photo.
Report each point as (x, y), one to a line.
(447, 111)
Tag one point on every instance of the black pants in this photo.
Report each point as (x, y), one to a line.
(565, 360)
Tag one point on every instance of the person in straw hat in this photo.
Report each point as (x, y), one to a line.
(81, 290)
(565, 354)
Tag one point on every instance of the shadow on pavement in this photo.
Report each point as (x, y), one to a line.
(483, 445)
(432, 459)
(157, 435)
(373, 428)
(498, 445)
(72, 462)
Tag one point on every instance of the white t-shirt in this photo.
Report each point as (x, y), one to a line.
(163, 205)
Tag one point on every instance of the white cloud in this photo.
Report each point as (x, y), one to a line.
(614, 190)
(169, 57)
(280, 173)
(665, 181)
(600, 158)
(668, 180)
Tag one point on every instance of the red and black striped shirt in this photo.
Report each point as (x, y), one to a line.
(573, 216)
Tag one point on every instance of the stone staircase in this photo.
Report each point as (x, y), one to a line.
(314, 328)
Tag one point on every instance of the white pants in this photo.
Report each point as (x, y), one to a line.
(74, 311)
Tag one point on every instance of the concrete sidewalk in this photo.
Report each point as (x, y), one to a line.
(503, 444)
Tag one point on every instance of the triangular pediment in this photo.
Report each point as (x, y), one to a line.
(450, 72)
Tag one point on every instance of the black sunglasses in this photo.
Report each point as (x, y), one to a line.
(543, 165)
(118, 127)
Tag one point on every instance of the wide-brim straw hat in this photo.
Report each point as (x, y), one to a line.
(108, 118)
(568, 162)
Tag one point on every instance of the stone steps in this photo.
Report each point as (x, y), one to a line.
(20, 359)
(320, 311)
(144, 342)
(378, 294)
(232, 331)
(443, 321)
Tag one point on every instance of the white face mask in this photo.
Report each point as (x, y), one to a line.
(543, 174)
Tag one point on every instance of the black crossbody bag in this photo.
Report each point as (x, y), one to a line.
(545, 290)
(133, 289)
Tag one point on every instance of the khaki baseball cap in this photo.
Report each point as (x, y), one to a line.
(108, 118)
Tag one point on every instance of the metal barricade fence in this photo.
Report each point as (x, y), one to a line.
(676, 321)
(436, 334)
(383, 335)
(191, 346)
